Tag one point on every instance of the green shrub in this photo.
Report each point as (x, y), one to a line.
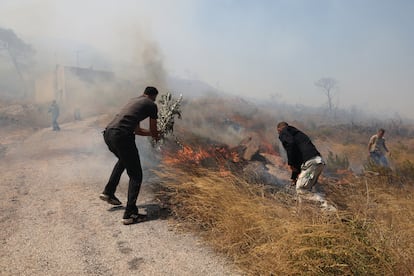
(336, 162)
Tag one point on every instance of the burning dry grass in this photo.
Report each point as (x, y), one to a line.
(266, 232)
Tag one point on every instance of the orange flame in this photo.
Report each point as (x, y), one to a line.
(217, 156)
(187, 154)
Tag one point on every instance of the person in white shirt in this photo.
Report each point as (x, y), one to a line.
(377, 148)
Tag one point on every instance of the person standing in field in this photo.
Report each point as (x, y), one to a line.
(304, 159)
(54, 110)
(119, 136)
(377, 148)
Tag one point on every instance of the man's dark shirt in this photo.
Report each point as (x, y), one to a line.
(135, 111)
(298, 146)
(54, 109)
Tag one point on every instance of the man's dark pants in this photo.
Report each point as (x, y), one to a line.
(55, 124)
(123, 146)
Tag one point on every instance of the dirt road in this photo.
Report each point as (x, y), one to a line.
(53, 223)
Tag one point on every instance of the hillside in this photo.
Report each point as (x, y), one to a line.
(218, 198)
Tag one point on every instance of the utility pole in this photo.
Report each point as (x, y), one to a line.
(77, 57)
(77, 61)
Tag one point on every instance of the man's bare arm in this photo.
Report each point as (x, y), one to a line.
(141, 131)
(153, 129)
(370, 143)
(385, 147)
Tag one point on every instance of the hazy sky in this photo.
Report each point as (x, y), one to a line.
(252, 48)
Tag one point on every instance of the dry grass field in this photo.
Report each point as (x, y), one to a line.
(267, 230)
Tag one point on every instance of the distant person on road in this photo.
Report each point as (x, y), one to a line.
(304, 159)
(377, 148)
(76, 114)
(119, 135)
(54, 110)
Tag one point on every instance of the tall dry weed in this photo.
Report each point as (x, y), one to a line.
(267, 232)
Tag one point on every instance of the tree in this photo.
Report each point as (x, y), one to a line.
(20, 53)
(328, 85)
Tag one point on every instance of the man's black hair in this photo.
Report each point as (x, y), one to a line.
(151, 91)
(282, 124)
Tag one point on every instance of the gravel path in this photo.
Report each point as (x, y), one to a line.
(53, 222)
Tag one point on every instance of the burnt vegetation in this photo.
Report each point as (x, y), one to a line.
(224, 180)
(222, 176)
(263, 227)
